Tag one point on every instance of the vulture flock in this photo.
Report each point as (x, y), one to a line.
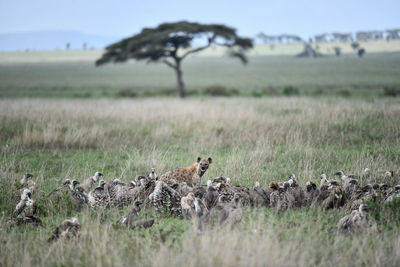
(219, 202)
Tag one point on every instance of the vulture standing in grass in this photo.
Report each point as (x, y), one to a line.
(156, 197)
(121, 194)
(99, 197)
(88, 184)
(192, 207)
(232, 212)
(133, 214)
(362, 195)
(27, 182)
(187, 205)
(131, 221)
(355, 221)
(211, 217)
(395, 195)
(78, 196)
(312, 192)
(281, 199)
(184, 189)
(211, 196)
(296, 193)
(153, 176)
(143, 223)
(24, 212)
(258, 197)
(336, 196)
(67, 230)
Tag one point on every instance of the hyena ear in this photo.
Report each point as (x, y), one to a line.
(198, 159)
(210, 160)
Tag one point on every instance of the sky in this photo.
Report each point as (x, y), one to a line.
(127, 17)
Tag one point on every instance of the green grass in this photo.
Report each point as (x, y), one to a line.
(264, 75)
(249, 139)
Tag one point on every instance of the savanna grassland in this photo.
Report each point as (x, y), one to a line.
(249, 138)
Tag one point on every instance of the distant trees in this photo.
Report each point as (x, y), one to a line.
(171, 43)
(67, 46)
(282, 38)
(361, 52)
(338, 50)
(393, 34)
(308, 52)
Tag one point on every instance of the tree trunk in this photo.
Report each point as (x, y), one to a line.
(181, 85)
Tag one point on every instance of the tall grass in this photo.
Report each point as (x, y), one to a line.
(249, 140)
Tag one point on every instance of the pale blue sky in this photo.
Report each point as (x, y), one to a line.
(124, 18)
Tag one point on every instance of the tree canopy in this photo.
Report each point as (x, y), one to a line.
(170, 43)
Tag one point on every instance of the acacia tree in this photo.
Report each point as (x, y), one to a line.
(170, 43)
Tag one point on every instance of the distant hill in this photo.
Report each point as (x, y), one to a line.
(53, 40)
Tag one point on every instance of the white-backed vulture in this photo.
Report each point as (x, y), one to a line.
(88, 184)
(355, 221)
(67, 230)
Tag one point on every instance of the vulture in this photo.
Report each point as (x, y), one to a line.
(24, 212)
(67, 230)
(78, 196)
(27, 181)
(211, 217)
(88, 184)
(211, 196)
(394, 195)
(232, 212)
(121, 194)
(99, 197)
(143, 223)
(355, 221)
(187, 205)
(335, 196)
(258, 196)
(133, 214)
(312, 192)
(184, 189)
(296, 194)
(153, 176)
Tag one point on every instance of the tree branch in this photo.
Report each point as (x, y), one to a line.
(169, 64)
(210, 41)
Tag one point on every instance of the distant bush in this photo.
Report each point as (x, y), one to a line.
(84, 94)
(168, 92)
(192, 92)
(391, 91)
(127, 93)
(345, 92)
(270, 91)
(161, 92)
(257, 93)
(290, 90)
(318, 91)
(218, 90)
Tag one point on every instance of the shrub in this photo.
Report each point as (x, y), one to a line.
(126, 93)
(257, 93)
(167, 92)
(218, 90)
(391, 91)
(290, 90)
(345, 92)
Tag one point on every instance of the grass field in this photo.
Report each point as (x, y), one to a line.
(72, 74)
(339, 121)
(249, 139)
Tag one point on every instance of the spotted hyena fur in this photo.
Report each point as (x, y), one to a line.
(191, 175)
